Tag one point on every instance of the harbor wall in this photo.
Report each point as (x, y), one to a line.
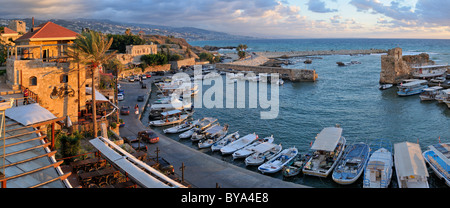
(296, 75)
(288, 54)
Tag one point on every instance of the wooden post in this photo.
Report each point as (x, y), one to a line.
(52, 147)
(157, 155)
(182, 172)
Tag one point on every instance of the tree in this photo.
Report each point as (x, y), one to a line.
(241, 50)
(90, 48)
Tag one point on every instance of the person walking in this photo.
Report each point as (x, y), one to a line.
(136, 109)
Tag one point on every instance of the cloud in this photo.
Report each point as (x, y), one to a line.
(319, 7)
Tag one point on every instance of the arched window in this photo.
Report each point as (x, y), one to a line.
(33, 81)
(64, 78)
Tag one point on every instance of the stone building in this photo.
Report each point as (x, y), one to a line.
(18, 26)
(8, 36)
(134, 52)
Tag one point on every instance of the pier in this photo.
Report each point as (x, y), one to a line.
(202, 170)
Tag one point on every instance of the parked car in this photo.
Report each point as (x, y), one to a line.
(124, 110)
(131, 79)
(140, 98)
(120, 97)
(144, 77)
(148, 136)
(148, 75)
(120, 91)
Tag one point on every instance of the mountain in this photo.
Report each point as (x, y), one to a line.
(108, 26)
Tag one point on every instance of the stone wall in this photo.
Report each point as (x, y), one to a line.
(291, 74)
(60, 89)
(395, 67)
(138, 70)
(185, 62)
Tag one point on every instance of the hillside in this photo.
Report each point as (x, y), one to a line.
(107, 26)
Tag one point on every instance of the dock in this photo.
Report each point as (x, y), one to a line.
(202, 170)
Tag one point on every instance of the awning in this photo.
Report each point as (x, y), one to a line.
(99, 97)
(327, 139)
(29, 114)
(409, 160)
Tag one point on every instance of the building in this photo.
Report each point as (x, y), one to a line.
(135, 52)
(8, 36)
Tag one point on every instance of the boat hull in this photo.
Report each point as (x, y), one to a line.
(430, 154)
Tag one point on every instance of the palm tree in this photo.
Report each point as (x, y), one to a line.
(91, 48)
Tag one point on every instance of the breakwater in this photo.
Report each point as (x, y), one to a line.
(296, 75)
(289, 54)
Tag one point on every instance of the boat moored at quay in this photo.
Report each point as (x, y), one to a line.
(413, 87)
(328, 148)
(438, 158)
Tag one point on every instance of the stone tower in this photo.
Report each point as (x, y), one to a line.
(18, 26)
(393, 68)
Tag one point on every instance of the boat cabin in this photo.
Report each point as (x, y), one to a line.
(429, 71)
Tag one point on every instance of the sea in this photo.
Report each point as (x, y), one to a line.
(348, 96)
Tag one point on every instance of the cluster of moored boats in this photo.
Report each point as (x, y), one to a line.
(427, 90)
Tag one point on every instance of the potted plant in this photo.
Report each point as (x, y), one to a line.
(122, 123)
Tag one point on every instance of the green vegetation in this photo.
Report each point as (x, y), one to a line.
(70, 145)
(209, 57)
(121, 41)
(155, 59)
(241, 50)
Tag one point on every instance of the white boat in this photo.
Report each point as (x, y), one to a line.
(238, 144)
(169, 118)
(276, 163)
(429, 71)
(412, 88)
(430, 93)
(378, 171)
(181, 128)
(442, 95)
(248, 150)
(385, 86)
(200, 133)
(263, 152)
(226, 140)
(213, 135)
(410, 166)
(447, 101)
(328, 148)
(202, 124)
(438, 158)
(351, 166)
(173, 105)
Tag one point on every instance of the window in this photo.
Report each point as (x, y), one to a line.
(33, 81)
(64, 78)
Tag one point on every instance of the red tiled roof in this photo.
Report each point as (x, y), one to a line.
(8, 31)
(49, 30)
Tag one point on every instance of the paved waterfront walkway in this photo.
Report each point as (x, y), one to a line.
(202, 170)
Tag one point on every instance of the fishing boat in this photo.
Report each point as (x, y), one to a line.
(238, 144)
(200, 133)
(181, 128)
(169, 118)
(410, 166)
(212, 136)
(276, 163)
(378, 171)
(263, 153)
(442, 95)
(429, 71)
(202, 124)
(248, 150)
(351, 166)
(447, 101)
(226, 140)
(437, 158)
(430, 93)
(294, 167)
(385, 86)
(328, 148)
(412, 88)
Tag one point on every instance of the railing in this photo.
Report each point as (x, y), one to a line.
(34, 97)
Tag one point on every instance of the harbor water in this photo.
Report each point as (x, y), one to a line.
(348, 96)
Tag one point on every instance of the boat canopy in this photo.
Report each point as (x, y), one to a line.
(409, 161)
(430, 66)
(327, 139)
(414, 83)
(431, 89)
(214, 129)
(169, 113)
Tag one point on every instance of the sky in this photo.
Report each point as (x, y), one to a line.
(259, 18)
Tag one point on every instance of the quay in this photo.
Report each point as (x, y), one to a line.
(202, 170)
